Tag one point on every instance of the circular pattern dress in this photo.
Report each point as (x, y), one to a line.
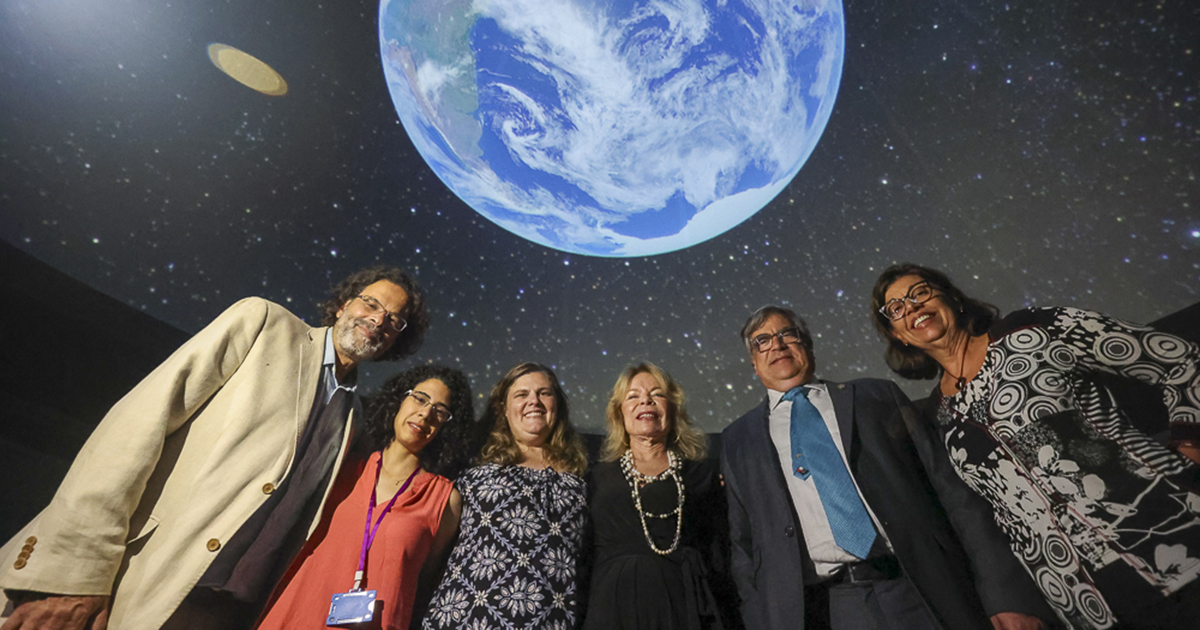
(1104, 517)
(517, 556)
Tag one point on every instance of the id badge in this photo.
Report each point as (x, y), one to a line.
(350, 608)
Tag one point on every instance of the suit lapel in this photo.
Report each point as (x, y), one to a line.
(763, 423)
(311, 352)
(763, 443)
(842, 397)
(765, 448)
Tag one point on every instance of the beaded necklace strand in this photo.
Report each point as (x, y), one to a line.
(637, 480)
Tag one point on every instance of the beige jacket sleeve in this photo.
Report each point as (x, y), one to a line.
(81, 535)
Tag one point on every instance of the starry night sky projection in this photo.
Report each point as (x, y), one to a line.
(1041, 153)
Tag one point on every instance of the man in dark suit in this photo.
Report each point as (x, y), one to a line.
(841, 505)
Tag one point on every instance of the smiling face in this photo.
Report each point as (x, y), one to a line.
(531, 408)
(782, 366)
(360, 335)
(646, 410)
(415, 423)
(924, 324)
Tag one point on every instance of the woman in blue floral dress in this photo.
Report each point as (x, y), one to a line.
(1105, 518)
(524, 514)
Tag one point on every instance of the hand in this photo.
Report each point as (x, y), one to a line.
(1007, 621)
(1189, 449)
(59, 612)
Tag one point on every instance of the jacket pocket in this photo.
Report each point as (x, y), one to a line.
(140, 528)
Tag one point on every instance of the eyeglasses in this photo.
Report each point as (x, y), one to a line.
(392, 321)
(441, 413)
(765, 341)
(917, 295)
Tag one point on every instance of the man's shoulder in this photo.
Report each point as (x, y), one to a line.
(251, 320)
(863, 384)
(262, 306)
(256, 309)
(871, 390)
(739, 427)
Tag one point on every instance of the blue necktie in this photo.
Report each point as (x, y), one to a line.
(813, 452)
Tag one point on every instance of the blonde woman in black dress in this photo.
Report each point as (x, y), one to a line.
(658, 515)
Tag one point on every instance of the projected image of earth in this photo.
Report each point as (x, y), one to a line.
(613, 128)
(1041, 153)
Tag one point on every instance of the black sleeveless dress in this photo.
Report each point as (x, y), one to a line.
(634, 588)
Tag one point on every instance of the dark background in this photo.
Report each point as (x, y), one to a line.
(1041, 153)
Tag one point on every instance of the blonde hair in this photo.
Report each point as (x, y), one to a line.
(564, 448)
(686, 440)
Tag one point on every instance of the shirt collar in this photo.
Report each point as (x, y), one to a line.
(329, 365)
(330, 356)
(774, 396)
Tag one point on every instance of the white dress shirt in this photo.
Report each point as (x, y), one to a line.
(818, 536)
(329, 381)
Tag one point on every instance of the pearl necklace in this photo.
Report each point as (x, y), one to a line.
(637, 480)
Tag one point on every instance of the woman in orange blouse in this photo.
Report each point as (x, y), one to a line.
(395, 512)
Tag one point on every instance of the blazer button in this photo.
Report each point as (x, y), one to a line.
(32, 540)
(268, 488)
(19, 564)
(789, 531)
(213, 544)
(24, 555)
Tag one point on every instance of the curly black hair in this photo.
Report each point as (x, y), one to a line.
(458, 440)
(415, 314)
(972, 315)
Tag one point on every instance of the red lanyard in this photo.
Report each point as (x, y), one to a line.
(368, 531)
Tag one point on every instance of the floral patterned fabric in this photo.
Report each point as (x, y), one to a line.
(518, 548)
(1095, 509)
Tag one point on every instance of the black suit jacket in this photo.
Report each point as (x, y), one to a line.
(906, 478)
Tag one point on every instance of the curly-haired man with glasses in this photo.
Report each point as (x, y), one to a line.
(201, 484)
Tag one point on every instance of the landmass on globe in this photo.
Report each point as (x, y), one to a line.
(614, 128)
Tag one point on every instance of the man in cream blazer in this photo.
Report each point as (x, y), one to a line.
(180, 463)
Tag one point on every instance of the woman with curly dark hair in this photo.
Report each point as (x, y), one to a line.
(517, 558)
(395, 510)
(1104, 517)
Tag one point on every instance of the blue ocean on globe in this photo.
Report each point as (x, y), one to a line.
(614, 127)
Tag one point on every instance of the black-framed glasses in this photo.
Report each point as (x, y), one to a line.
(917, 295)
(440, 412)
(765, 341)
(391, 320)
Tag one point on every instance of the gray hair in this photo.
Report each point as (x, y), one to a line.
(763, 313)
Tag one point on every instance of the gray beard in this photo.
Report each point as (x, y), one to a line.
(353, 345)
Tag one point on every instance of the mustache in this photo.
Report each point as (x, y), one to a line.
(368, 324)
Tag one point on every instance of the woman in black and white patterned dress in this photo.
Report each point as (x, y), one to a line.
(524, 515)
(1105, 518)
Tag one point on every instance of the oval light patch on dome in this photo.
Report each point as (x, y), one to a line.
(247, 70)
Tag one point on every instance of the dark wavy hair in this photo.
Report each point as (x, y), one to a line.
(564, 449)
(413, 335)
(451, 449)
(971, 315)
